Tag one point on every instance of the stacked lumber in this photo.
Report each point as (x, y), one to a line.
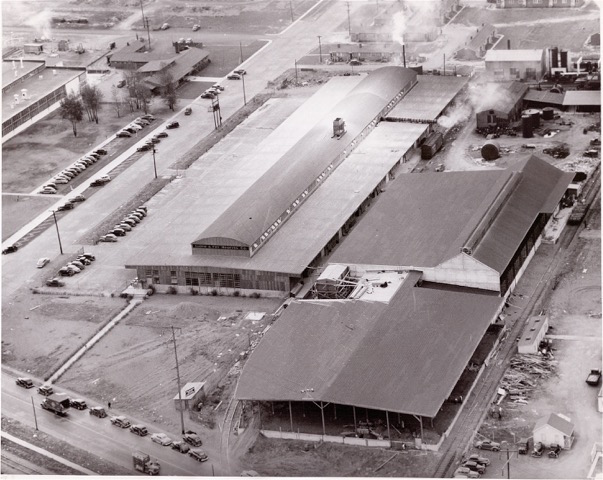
(524, 374)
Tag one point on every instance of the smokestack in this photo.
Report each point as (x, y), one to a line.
(404, 54)
(508, 44)
(21, 59)
(564, 64)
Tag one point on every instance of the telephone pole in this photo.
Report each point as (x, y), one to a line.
(349, 24)
(154, 163)
(319, 48)
(178, 377)
(58, 234)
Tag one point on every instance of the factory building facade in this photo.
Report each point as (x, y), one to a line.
(539, 3)
(524, 65)
(506, 108)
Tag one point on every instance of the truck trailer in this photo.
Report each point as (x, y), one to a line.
(432, 145)
(143, 463)
(57, 404)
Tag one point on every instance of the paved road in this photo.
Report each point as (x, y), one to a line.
(93, 434)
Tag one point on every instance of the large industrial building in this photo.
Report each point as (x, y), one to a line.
(323, 167)
(539, 3)
(525, 65)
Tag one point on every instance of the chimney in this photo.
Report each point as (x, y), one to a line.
(16, 98)
(508, 44)
(404, 54)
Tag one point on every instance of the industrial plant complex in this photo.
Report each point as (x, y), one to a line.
(368, 245)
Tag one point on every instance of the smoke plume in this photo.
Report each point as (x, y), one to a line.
(41, 22)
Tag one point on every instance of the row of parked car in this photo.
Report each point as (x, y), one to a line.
(148, 145)
(236, 74)
(190, 439)
(72, 268)
(67, 174)
(473, 467)
(128, 222)
(212, 92)
(137, 125)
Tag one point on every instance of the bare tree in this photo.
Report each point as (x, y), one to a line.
(117, 100)
(168, 89)
(71, 109)
(91, 99)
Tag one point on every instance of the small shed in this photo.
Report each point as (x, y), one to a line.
(192, 393)
(554, 428)
(533, 333)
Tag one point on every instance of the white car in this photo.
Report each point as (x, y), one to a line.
(60, 180)
(161, 439)
(135, 126)
(43, 262)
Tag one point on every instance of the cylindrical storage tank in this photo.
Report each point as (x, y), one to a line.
(491, 151)
(548, 113)
(526, 126)
(535, 114)
(564, 54)
(555, 57)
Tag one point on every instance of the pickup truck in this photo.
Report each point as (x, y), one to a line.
(594, 377)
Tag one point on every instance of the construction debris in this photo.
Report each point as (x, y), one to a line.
(524, 374)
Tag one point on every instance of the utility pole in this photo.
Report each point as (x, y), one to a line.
(58, 234)
(241, 54)
(319, 48)
(154, 163)
(244, 96)
(34, 410)
(178, 377)
(349, 23)
(296, 71)
(291, 10)
(146, 24)
(215, 107)
(505, 445)
(444, 64)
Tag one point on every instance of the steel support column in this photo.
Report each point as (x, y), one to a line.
(387, 420)
(290, 415)
(354, 410)
(322, 414)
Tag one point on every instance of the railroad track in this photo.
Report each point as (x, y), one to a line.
(15, 465)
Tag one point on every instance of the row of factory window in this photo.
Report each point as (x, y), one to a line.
(196, 279)
(31, 111)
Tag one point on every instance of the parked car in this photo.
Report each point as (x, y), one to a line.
(217, 86)
(136, 214)
(68, 173)
(137, 127)
(97, 412)
(64, 272)
(84, 260)
(78, 264)
(136, 218)
(45, 390)
(48, 191)
(196, 27)
(594, 377)
(538, 449)
(193, 439)
(474, 466)
(208, 94)
(523, 446)
(464, 472)
(142, 121)
(101, 151)
(354, 62)
(198, 454)
(25, 382)
(141, 211)
(73, 268)
(233, 76)
(120, 421)
(89, 256)
(10, 249)
(155, 139)
(97, 183)
(162, 135)
(148, 116)
(65, 206)
(60, 180)
(42, 262)
(240, 71)
(143, 148)
(129, 221)
(121, 84)
(124, 226)
(51, 185)
(78, 404)
(554, 451)
(142, 207)
(108, 238)
(54, 282)
(477, 459)
(172, 125)
(139, 430)
(180, 446)
(488, 445)
(123, 134)
(118, 232)
(105, 178)
(78, 198)
(188, 110)
(161, 439)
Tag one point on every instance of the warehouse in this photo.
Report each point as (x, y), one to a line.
(479, 44)
(526, 65)
(479, 231)
(542, 99)
(377, 363)
(505, 108)
(300, 154)
(582, 101)
(188, 62)
(428, 99)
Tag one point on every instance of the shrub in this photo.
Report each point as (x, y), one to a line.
(214, 292)
(173, 290)
(194, 292)
(255, 295)
(151, 290)
(236, 293)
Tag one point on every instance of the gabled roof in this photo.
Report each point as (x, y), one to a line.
(510, 94)
(405, 356)
(514, 55)
(481, 37)
(557, 422)
(258, 208)
(156, 65)
(544, 97)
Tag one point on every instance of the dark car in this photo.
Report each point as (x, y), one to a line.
(523, 446)
(89, 256)
(10, 249)
(162, 135)
(180, 446)
(45, 390)
(233, 76)
(240, 71)
(123, 134)
(148, 116)
(594, 377)
(143, 148)
(139, 430)
(208, 95)
(198, 454)
(97, 412)
(193, 439)
(172, 125)
(66, 206)
(155, 139)
(101, 151)
(121, 84)
(355, 62)
(118, 232)
(188, 110)
(476, 467)
(54, 282)
(63, 272)
(25, 382)
(487, 445)
(78, 404)
(78, 198)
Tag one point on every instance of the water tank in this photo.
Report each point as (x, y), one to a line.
(564, 54)
(526, 126)
(548, 113)
(491, 151)
(554, 57)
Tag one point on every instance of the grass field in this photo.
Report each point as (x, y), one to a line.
(18, 210)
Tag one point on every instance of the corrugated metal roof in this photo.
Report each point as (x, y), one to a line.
(544, 97)
(428, 97)
(555, 421)
(582, 97)
(514, 55)
(405, 356)
(539, 190)
(515, 91)
(258, 208)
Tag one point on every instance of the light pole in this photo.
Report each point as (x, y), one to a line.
(291, 9)
(241, 50)
(34, 410)
(319, 49)
(296, 71)
(349, 24)
(178, 377)
(154, 163)
(58, 234)
(244, 96)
